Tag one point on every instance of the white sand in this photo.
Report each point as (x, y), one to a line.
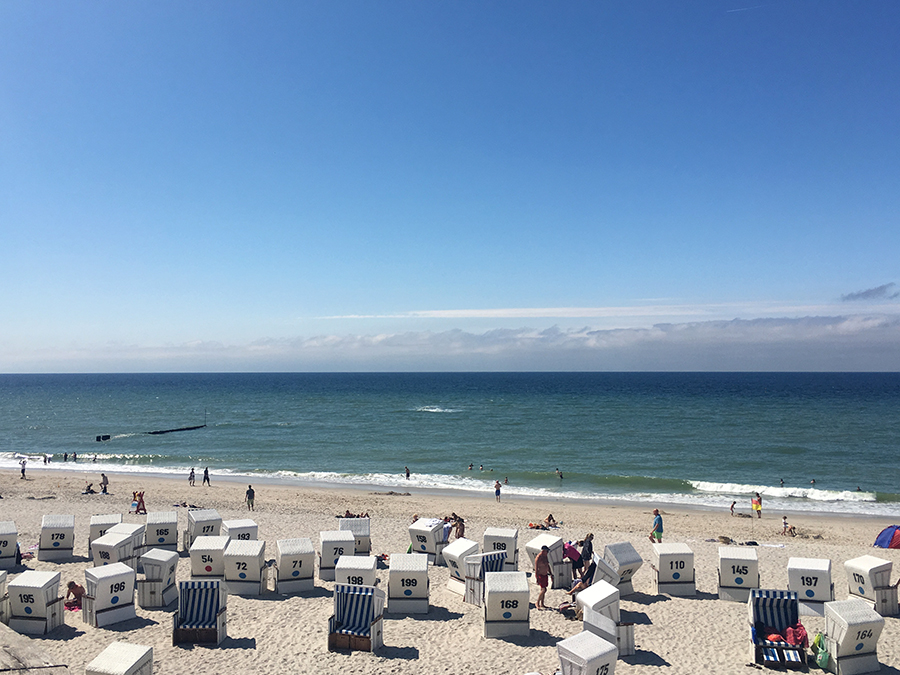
(275, 634)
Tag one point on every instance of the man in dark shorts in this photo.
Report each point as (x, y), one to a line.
(251, 496)
(542, 574)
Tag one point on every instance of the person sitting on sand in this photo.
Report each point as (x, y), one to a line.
(584, 581)
(77, 592)
(550, 521)
(786, 528)
(89, 489)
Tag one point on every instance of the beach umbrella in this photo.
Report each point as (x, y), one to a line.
(889, 537)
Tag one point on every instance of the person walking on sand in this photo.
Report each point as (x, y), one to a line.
(22, 464)
(104, 483)
(732, 508)
(250, 497)
(497, 489)
(542, 574)
(756, 504)
(191, 478)
(206, 477)
(657, 532)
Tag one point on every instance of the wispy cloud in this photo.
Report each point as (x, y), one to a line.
(882, 292)
(835, 343)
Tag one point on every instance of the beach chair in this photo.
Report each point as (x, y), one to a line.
(35, 607)
(122, 658)
(408, 584)
(241, 529)
(111, 548)
(208, 556)
(810, 578)
(603, 571)
(4, 598)
(357, 622)
(498, 539)
(200, 618)
(57, 540)
(157, 589)
(295, 563)
(506, 604)
(852, 630)
(361, 529)
(201, 523)
(738, 573)
(136, 532)
(870, 580)
(357, 570)
(426, 536)
(246, 572)
(9, 540)
(586, 654)
(562, 568)
(774, 610)
(674, 567)
(109, 595)
(332, 545)
(161, 531)
(624, 559)
(601, 616)
(100, 524)
(455, 555)
(476, 567)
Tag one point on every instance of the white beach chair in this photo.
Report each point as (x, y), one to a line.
(358, 619)
(136, 532)
(201, 615)
(57, 538)
(362, 532)
(109, 595)
(122, 658)
(157, 589)
(201, 523)
(562, 568)
(674, 567)
(4, 598)
(9, 540)
(35, 607)
(586, 654)
(295, 564)
(455, 555)
(111, 548)
(601, 616)
(332, 545)
(246, 572)
(624, 559)
(161, 531)
(356, 570)
(427, 537)
(778, 610)
(208, 556)
(506, 604)
(101, 523)
(240, 529)
(503, 539)
(810, 578)
(476, 567)
(852, 630)
(870, 579)
(408, 584)
(738, 573)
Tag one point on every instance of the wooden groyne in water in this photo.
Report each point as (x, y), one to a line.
(106, 437)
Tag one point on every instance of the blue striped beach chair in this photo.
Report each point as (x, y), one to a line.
(774, 610)
(200, 618)
(476, 566)
(357, 621)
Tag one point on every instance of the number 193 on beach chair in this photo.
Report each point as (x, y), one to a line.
(200, 618)
(358, 618)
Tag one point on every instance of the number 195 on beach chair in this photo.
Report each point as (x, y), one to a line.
(200, 618)
(357, 622)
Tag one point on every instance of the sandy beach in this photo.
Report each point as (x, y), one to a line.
(278, 634)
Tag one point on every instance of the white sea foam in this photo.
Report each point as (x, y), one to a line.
(739, 490)
(436, 409)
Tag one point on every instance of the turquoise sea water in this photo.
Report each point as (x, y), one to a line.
(701, 438)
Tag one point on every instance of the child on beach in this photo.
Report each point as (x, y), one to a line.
(76, 592)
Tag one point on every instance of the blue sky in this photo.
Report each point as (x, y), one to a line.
(449, 186)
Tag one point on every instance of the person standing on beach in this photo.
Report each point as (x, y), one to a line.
(206, 477)
(657, 531)
(22, 463)
(407, 472)
(497, 489)
(732, 508)
(104, 483)
(756, 504)
(74, 456)
(191, 479)
(542, 574)
(250, 497)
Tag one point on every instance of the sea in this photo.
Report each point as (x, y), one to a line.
(824, 442)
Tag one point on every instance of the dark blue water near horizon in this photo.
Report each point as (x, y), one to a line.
(686, 437)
